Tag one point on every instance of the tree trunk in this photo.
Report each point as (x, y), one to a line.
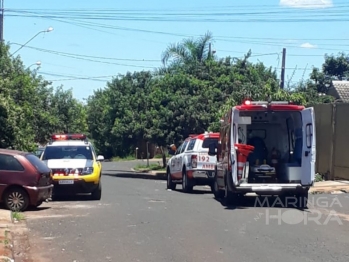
(163, 153)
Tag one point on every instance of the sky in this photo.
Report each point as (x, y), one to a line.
(94, 41)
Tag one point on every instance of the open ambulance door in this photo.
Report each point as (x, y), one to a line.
(309, 146)
(233, 140)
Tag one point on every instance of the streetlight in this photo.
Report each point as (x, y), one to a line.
(38, 63)
(44, 31)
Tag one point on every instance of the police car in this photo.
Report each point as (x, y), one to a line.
(75, 166)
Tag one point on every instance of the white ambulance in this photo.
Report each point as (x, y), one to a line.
(282, 160)
(190, 164)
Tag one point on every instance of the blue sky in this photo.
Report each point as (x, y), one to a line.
(93, 41)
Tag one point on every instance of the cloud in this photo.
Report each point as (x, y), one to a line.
(307, 45)
(306, 3)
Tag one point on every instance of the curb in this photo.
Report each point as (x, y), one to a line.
(331, 190)
(6, 229)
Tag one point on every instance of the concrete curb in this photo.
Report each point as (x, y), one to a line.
(6, 232)
(329, 190)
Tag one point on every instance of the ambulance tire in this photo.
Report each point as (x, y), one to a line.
(302, 199)
(170, 184)
(218, 194)
(186, 185)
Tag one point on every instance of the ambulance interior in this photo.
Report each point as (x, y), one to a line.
(277, 140)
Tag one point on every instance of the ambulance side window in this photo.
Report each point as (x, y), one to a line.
(184, 146)
(191, 145)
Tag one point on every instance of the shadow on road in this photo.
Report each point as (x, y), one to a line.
(262, 202)
(125, 174)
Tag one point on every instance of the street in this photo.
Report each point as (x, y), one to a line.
(138, 220)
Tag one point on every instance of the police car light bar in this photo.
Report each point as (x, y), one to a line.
(69, 137)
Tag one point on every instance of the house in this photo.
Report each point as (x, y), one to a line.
(340, 91)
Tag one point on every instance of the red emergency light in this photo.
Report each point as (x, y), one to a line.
(247, 102)
(57, 137)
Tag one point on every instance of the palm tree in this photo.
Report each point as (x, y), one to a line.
(189, 52)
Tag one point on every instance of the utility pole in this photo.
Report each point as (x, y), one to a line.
(1, 20)
(209, 50)
(282, 84)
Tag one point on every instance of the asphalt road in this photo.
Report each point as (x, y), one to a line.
(138, 220)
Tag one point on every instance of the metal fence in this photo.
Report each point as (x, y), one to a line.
(332, 140)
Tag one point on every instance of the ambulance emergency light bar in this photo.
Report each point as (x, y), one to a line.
(249, 102)
(60, 137)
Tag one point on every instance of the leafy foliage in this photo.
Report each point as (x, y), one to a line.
(189, 94)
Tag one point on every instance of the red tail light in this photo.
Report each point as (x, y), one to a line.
(194, 161)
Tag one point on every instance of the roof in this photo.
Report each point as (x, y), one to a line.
(204, 135)
(68, 143)
(342, 89)
(271, 107)
(12, 152)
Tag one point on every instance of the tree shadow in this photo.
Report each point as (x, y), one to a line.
(126, 174)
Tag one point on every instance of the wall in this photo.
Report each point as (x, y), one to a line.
(332, 140)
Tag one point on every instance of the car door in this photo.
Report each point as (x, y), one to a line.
(11, 172)
(174, 165)
(181, 156)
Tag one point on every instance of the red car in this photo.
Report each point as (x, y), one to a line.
(24, 180)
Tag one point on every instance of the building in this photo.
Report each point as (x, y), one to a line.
(340, 91)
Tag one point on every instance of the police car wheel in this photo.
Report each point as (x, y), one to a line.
(97, 193)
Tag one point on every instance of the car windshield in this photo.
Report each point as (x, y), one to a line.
(208, 141)
(67, 152)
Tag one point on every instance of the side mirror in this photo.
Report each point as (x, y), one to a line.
(100, 158)
(212, 149)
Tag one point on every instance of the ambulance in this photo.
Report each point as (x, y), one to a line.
(266, 148)
(190, 164)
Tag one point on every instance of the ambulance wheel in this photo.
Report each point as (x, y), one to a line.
(186, 187)
(218, 194)
(302, 199)
(170, 184)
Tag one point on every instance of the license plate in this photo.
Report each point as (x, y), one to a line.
(66, 182)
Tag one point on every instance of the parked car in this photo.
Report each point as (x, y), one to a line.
(24, 180)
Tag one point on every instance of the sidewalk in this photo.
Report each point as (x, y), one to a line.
(328, 187)
(6, 242)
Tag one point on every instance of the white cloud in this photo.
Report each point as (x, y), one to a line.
(307, 3)
(307, 45)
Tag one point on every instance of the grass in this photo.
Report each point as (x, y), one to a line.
(127, 158)
(151, 167)
(18, 216)
(318, 177)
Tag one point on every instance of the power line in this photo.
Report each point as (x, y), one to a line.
(84, 57)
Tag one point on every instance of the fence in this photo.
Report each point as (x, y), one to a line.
(332, 140)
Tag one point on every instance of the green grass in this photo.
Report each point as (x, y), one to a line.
(18, 216)
(151, 167)
(318, 177)
(127, 158)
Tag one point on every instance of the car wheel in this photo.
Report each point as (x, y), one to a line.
(16, 199)
(185, 183)
(97, 193)
(170, 184)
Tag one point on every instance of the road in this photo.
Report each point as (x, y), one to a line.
(138, 220)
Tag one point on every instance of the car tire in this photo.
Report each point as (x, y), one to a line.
(170, 184)
(186, 187)
(302, 200)
(16, 199)
(97, 193)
